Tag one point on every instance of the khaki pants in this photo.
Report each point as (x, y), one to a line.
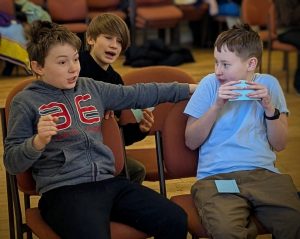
(270, 196)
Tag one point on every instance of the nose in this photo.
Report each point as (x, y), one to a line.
(73, 66)
(218, 69)
(114, 42)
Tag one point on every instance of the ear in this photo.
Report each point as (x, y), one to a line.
(252, 63)
(90, 41)
(36, 68)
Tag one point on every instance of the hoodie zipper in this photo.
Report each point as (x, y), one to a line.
(88, 152)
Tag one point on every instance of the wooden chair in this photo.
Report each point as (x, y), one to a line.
(71, 14)
(42, 3)
(262, 14)
(276, 45)
(180, 162)
(154, 14)
(191, 12)
(7, 6)
(145, 75)
(255, 13)
(196, 15)
(96, 7)
(25, 183)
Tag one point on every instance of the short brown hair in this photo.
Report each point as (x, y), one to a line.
(42, 35)
(242, 40)
(111, 24)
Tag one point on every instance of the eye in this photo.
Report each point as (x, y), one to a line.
(108, 37)
(62, 62)
(226, 65)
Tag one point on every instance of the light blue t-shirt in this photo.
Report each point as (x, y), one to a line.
(238, 139)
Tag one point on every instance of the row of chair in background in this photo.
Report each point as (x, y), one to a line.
(162, 15)
(140, 14)
(262, 14)
(174, 160)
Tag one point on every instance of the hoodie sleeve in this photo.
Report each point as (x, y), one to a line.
(19, 153)
(141, 96)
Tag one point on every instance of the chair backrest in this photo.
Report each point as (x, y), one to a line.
(174, 159)
(179, 161)
(192, 12)
(272, 20)
(96, 7)
(159, 74)
(103, 4)
(7, 6)
(255, 12)
(153, 2)
(41, 3)
(111, 137)
(67, 10)
(154, 14)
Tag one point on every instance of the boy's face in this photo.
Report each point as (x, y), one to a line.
(61, 68)
(230, 67)
(105, 49)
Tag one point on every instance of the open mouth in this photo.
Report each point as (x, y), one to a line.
(72, 80)
(110, 54)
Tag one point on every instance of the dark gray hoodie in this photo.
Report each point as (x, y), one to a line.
(77, 153)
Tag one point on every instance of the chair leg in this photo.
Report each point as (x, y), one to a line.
(175, 35)
(269, 61)
(132, 16)
(260, 67)
(160, 165)
(9, 191)
(285, 59)
(10, 209)
(145, 36)
(194, 237)
(162, 34)
(286, 66)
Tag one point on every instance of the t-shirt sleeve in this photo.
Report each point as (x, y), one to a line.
(203, 97)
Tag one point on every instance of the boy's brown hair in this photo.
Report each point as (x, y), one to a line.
(42, 35)
(108, 23)
(242, 40)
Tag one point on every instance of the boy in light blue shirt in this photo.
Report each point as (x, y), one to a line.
(237, 134)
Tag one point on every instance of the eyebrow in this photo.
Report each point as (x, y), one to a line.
(75, 54)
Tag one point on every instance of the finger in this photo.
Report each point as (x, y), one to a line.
(144, 128)
(148, 114)
(230, 83)
(228, 94)
(47, 129)
(148, 118)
